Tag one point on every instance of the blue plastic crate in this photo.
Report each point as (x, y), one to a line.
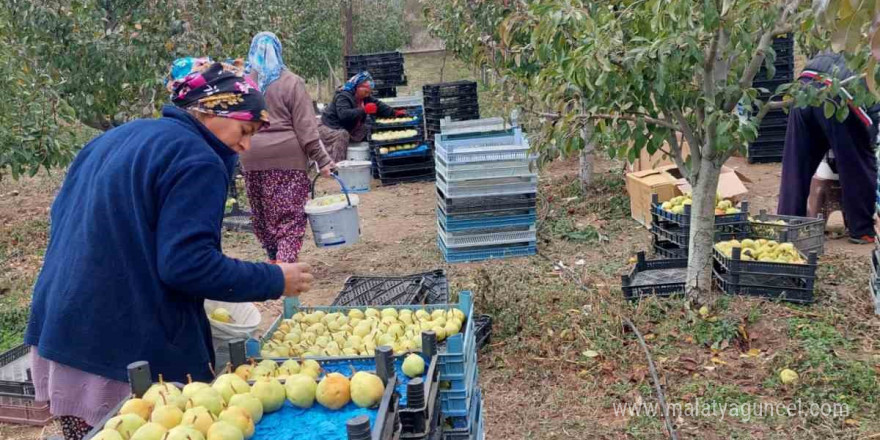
(469, 255)
(471, 427)
(454, 346)
(460, 349)
(456, 402)
(487, 221)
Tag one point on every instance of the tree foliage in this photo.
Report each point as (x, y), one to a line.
(104, 61)
(645, 74)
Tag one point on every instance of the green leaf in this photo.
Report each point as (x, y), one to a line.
(829, 109)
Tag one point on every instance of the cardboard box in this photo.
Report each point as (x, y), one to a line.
(658, 159)
(668, 182)
(642, 184)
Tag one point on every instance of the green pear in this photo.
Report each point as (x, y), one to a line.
(269, 363)
(140, 407)
(250, 403)
(356, 313)
(270, 392)
(150, 431)
(108, 434)
(224, 431)
(190, 388)
(311, 367)
(125, 424)
(198, 418)
(366, 389)
(184, 433)
(300, 390)
(241, 418)
(229, 385)
(413, 365)
(168, 416)
(209, 398)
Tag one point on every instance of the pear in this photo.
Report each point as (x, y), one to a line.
(243, 371)
(140, 407)
(438, 313)
(271, 394)
(150, 431)
(421, 314)
(108, 434)
(222, 315)
(298, 317)
(241, 418)
(371, 312)
(270, 364)
(229, 385)
(311, 367)
(125, 424)
(198, 418)
(192, 387)
(334, 391)
(300, 390)
(441, 333)
(250, 403)
(209, 398)
(259, 372)
(293, 337)
(183, 433)
(168, 416)
(157, 390)
(356, 313)
(366, 389)
(289, 367)
(224, 431)
(413, 365)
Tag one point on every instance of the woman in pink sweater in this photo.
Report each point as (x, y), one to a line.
(276, 168)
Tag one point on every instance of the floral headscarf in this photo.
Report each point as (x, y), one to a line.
(357, 80)
(219, 89)
(264, 57)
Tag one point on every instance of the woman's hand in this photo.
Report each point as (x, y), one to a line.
(297, 278)
(400, 113)
(328, 169)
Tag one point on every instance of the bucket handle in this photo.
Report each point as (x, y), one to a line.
(341, 184)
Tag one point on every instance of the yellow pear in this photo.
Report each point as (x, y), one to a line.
(334, 391)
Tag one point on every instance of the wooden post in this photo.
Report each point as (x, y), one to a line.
(347, 29)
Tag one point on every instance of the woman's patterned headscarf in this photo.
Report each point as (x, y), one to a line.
(265, 58)
(357, 80)
(218, 89)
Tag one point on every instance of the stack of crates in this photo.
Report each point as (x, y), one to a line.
(771, 134)
(386, 68)
(402, 160)
(671, 232)
(461, 401)
(454, 100)
(486, 191)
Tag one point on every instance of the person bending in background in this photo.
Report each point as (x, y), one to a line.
(809, 136)
(276, 167)
(134, 250)
(344, 120)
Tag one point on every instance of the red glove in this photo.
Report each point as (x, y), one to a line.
(400, 113)
(371, 108)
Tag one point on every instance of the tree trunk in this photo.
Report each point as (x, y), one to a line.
(702, 233)
(347, 29)
(586, 156)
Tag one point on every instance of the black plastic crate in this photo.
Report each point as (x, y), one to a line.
(664, 277)
(376, 56)
(447, 89)
(782, 288)
(418, 138)
(765, 159)
(456, 104)
(441, 111)
(781, 73)
(419, 419)
(774, 123)
(684, 219)
(376, 67)
(458, 100)
(388, 92)
(408, 177)
(736, 266)
(394, 170)
(680, 235)
(389, 163)
(771, 138)
(805, 233)
(773, 132)
(667, 249)
(483, 330)
(376, 290)
(474, 205)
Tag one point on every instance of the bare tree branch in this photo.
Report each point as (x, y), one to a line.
(678, 156)
(776, 105)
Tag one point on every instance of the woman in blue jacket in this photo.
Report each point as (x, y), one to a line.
(134, 250)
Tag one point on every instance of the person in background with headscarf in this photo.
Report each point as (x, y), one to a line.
(343, 120)
(276, 168)
(134, 250)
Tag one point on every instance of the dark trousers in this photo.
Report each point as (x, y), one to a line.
(807, 140)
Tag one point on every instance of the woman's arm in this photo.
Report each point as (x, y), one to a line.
(188, 231)
(305, 124)
(346, 112)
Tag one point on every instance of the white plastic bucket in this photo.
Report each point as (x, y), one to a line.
(334, 219)
(245, 320)
(358, 151)
(357, 174)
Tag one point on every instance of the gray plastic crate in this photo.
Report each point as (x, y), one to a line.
(468, 239)
(488, 187)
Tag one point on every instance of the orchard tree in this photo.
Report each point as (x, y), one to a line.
(646, 75)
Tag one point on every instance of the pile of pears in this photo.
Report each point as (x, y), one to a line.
(230, 408)
(359, 332)
(762, 250)
(676, 205)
